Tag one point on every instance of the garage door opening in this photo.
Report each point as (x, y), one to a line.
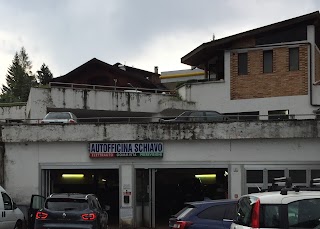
(103, 183)
(161, 193)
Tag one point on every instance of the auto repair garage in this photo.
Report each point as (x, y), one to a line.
(172, 188)
(148, 180)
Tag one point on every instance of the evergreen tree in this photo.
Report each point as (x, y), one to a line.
(44, 75)
(19, 79)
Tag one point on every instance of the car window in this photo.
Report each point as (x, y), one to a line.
(214, 213)
(214, 116)
(244, 209)
(304, 214)
(231, 211)
(58, 115)
(7, 201)
(184, 116)
(184, 212)
(197, 116)
(66, 204)
(270, 216)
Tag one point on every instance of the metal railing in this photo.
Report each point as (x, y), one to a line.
(156, 119)
(110, 88)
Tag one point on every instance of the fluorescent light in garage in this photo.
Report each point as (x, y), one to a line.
(72, 175)
(206, 176)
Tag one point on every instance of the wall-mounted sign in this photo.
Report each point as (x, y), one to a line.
(140, 149)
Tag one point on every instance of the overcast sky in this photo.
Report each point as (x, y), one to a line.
(141, 33)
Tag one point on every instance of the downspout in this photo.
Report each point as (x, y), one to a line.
(310, 76)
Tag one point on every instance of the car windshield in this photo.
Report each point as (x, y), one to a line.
(66, 204)
(58, 115)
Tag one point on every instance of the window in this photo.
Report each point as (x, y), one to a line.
(293, 59)
(274, 174)
(213, 213)
(7, 202)
(267, 61)
(243, 116)
(298, 176)
(231, 211)
(214, 116)
(278, 115)
(65, 204)
(304, 214)
(243, 63)
(196, 116)
(270, 216)
(254, 176)
(244, 209)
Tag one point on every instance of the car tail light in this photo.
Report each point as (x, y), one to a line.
(255, 218)
(90, 216)
(72, 121)
(182, 224)
(41, 215)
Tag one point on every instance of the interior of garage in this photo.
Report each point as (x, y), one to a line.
(103, 183)
(174, 187)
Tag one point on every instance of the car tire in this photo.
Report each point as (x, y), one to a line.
(18, 225)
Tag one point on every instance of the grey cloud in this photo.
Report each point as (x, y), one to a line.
(71, 32)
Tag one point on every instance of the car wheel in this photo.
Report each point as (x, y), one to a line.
(18, 225)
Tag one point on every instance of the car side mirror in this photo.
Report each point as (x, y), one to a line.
(14, 206)
(107, 207)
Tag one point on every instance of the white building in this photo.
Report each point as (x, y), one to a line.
(144, 169)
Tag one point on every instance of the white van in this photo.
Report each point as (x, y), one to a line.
(11, 216)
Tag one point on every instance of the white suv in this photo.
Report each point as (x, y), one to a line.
(288, 207)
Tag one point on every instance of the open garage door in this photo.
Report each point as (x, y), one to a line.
(161, 193)
(104, 183)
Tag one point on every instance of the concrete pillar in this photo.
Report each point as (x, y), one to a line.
(235, 181)
(126, 196)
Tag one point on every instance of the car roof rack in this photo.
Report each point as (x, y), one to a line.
(287, 181)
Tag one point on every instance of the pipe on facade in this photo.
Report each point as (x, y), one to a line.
(310, 77)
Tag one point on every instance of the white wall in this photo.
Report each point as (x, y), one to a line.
(42, 98)
(12, 112)
(23, 160)
(216, 96)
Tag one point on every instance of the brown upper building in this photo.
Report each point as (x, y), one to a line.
(280, 59)
(97, 72)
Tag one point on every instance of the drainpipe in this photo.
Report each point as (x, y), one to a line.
(310, 77)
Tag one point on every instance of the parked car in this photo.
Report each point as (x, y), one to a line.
(205, 214)
(197, 116)
(11, 216)
(69, 210)
(288, 207)
(59, 117)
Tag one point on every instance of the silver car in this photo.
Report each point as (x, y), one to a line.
(59, 117)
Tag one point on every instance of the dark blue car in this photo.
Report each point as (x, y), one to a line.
(214, 214)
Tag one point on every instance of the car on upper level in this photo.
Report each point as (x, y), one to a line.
(205, 214)
(287, 207)
(68, 210)
(197, 116)
(60, 117)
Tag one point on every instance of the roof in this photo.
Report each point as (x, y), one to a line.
(276, 197)
(94, 64)
(69, 195)
(220, 201)
(196, 56)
